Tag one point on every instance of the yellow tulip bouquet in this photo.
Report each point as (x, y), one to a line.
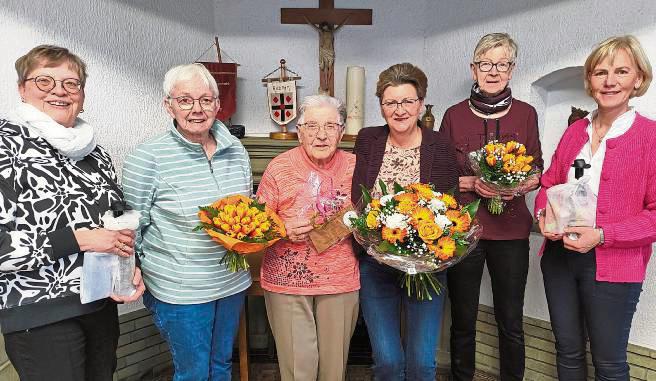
(416, 230)
(503, 166)
(241, 225)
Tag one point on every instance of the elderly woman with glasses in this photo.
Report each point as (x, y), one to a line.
(55, 183)
(194, 299)
(593, 276)
(491, 113)
(311, 298)
(401, 152)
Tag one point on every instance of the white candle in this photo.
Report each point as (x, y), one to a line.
(354, 99)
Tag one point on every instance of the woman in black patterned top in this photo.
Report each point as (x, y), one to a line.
(56, 183)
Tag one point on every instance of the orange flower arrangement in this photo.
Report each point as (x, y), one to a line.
(502, 165)
(417, 230)
(241, 225)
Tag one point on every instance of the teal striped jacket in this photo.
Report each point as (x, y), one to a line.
(167, 179)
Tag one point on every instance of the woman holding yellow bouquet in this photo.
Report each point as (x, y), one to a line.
(193, 296)
(404, 153)
(492, 114)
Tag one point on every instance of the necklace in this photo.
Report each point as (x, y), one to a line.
(595, 131)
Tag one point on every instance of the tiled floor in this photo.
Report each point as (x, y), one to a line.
(269, 372)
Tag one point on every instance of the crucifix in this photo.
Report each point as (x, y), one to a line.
(326, 20)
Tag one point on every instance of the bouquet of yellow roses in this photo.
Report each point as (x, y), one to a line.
(503, 166)
(416, 230)
(241, 225)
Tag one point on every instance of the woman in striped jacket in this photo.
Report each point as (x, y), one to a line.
(195, 301)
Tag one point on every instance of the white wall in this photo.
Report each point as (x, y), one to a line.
(129, 45)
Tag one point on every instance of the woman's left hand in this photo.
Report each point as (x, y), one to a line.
(588, 239)
(138, 283)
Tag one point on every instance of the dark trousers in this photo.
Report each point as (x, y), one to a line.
(577, 301)
(77, 349)
(507, 263)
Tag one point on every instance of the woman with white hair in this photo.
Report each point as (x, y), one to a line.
(311, 298)
(195, 301)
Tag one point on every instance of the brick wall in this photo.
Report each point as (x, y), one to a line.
(541, 352)
(141, 350)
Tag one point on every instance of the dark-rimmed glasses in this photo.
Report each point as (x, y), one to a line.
(46, 83)
(186, 102)
(406, 104)
(485, 66)
(313, 128)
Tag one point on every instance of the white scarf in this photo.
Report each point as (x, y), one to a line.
(75, 142)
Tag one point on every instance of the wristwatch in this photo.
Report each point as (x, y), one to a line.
(601, 236)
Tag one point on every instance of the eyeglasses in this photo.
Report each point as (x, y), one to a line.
(485, 66)
(46, 83)
(313, 128)
(406, 104)
(186, 102)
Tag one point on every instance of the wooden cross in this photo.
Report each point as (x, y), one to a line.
(326, 20)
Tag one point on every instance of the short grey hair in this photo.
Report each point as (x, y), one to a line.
(495, 40)
(186, 72)
(312, 101)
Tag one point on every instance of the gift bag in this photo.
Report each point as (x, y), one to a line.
(570, 204)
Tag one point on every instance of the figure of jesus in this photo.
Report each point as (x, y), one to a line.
(326, 52)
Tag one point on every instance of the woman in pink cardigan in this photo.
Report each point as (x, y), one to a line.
(593, 283)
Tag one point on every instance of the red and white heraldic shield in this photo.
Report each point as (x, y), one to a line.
(282, 101)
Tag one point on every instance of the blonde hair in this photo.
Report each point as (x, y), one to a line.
(401, 74)
(49, 56)
(608, 49)
(186, 72)
(495, 40)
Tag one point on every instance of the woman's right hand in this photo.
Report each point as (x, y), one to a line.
(100, 240)
(466, 183)
(298, 229)
(547, 235)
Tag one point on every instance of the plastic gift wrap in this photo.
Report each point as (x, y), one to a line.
(416, 230)
(104, 274)
(324, 206)
(570, 204)
(415, 264)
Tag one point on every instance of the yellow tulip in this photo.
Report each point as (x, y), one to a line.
(526, 168)
(511, 145)
(229, 210)
(489, 148)
(372, 221)
(521, 150)
(491, 160)
(508, 157)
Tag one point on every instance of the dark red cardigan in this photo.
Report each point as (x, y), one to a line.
(437, 160)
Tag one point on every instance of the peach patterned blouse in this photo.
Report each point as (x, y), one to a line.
(295, 187)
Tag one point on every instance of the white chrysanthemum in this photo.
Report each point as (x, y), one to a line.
(442, 221)
(385, 199)
(396, 221)
(347, 218)
(437, 206)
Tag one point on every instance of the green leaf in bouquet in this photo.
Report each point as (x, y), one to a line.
(259, 206)
(397, 187)
(386, 247)
(366, 195)
(210, 210)
(383, 187)
(472, 207)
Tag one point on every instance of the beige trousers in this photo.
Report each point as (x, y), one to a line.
(312, 334)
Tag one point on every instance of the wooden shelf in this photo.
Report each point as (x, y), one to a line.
(262, 149)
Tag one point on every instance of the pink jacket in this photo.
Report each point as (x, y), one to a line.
(626, 203)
